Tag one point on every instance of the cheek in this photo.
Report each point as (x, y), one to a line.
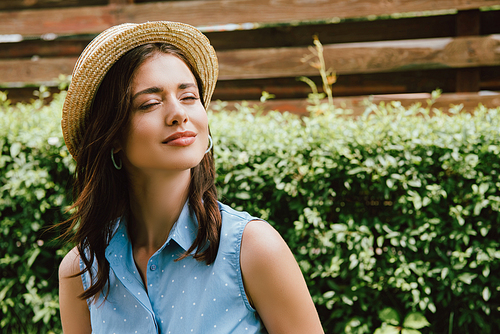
(202, 123)
(140, 133)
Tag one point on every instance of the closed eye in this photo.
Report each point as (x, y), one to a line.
(148, 105)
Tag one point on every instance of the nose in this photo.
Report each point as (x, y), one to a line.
(175, 113)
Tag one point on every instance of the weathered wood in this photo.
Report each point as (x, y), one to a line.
(85, 20)
(41, 48)
(489, 22)
(32, 4)
(348, 85)
(344, 32)
(468, 80)
(468, 24)
(490, 78)
(367, 57)
(370, 57)
(121, 2)
(284, 36)
(37, 71)
(469, 101)
(273, 37)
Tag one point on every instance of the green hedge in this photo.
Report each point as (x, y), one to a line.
(393, 217)
(34, 175)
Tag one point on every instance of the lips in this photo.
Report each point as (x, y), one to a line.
(180, 138)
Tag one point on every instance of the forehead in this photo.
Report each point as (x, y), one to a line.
(162, 68)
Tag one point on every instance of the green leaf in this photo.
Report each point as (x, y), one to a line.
(6, 288)
(389, 315)
(356, 170)
(486, 293)
(380, 240)
(329, 294)
(388, 329)
(15, 148)
(467, 278)
(410, 331)
(486, 271)
(242, 195)
(444, 272)
(33, 257)
(415, 320)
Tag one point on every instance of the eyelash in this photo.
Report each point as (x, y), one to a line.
(149, 105)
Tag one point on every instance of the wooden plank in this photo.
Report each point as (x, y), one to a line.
(26, 94)
(121, 2)
(367, 57)
(468, 23)
(356, 104)
(32, 4)
(361, 31)
(489, 22)
(285, 36)
(41, 48)
(468, 80)
(86, 20)
(348, 85)
(490, 78)
(16, 73)
(370, 57)
(344, 32)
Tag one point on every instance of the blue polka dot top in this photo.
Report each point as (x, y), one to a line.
(184, 297)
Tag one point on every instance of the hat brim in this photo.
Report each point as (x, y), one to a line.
(105, 50)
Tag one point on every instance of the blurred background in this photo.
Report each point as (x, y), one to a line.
(374, 47)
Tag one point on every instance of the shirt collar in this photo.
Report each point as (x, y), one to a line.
(185, 229)
(183, 232)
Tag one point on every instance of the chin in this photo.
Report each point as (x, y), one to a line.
(184, 164)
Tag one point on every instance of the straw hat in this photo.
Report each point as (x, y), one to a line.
(98, 57)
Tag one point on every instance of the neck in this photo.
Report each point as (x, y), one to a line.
(156, 202)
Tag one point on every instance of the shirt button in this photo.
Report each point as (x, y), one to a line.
(152, 267)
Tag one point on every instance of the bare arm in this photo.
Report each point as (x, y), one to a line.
(274, 283)
(75, 316)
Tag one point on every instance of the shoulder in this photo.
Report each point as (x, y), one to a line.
(70, 265)
(263, 252)
(75, 316)
(261, 239)
(274, 283)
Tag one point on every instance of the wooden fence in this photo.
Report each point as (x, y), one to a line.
(402, 47)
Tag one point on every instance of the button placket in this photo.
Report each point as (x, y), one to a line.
(153, 270)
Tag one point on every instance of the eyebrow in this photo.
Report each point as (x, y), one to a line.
(187, 85)
(153, 90)
(150, 90)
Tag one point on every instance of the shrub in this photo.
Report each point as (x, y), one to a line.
(34, 172)
(395, 209)
(393, 217)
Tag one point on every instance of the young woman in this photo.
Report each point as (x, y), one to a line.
(156, 252)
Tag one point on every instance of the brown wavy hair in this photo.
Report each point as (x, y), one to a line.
(101, 191)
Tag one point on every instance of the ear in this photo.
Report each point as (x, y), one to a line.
(117, 146)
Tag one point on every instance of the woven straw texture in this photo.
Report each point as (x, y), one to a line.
(98, 57)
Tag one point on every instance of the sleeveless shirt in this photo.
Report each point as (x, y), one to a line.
(185, 296)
